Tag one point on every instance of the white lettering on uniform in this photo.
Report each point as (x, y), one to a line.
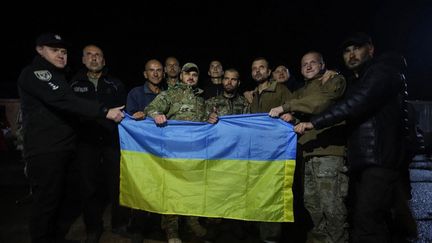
(80, 89)
(53, 86)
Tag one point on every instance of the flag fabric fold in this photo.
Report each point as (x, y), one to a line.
(240, 168)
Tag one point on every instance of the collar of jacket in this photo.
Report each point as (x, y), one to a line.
(147, 90)
(270, 88)
(318, 76)
(43, 63)
(82, 74)
(195, 90)
(362, 70)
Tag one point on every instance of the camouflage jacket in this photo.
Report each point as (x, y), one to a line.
(179, 102)
(227, 106)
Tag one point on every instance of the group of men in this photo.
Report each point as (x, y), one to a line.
(70, 132)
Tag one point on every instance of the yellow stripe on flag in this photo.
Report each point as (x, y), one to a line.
(236, 189)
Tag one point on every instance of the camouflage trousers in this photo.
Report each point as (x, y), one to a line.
(325, 190)
(170, 223)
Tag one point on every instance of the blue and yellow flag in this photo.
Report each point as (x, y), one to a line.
(240, 168)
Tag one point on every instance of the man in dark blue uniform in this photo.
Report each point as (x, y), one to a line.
(48, 107)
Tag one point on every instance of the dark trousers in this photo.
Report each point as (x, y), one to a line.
(376, 192)
(54, 177)
(100, 183)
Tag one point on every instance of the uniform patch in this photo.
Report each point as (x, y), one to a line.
(53, 86)
(80, 89)
(43, 75)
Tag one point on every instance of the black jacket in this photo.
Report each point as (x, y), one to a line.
(111, 93)
(373, 110)
(47, 104)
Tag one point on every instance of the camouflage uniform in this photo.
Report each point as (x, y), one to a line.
(227, 106)
(179, 102)
(171, 85)
(325, 180)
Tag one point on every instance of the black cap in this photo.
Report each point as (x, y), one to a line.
(356, 39)
(51, 39)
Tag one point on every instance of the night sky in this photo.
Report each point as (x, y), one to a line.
(233, 32)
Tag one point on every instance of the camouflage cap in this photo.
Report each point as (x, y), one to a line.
(189, 67)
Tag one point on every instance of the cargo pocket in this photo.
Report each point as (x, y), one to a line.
(343, 181)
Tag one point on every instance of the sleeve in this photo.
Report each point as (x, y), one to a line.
(160, 105)
(369, 94)
(132, 103)
(209, 104)
(121, 94)
(246, 106)
(55, 92)
(316, 102)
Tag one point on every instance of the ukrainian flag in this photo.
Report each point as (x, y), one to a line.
(240, 168)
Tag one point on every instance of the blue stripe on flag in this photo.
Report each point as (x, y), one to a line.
(239, 137)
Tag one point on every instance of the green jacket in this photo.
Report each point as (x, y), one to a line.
(179, 102)
(313, 98)
(274, 95)
(227, 106)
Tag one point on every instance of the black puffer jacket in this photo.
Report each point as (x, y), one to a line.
(373, 109)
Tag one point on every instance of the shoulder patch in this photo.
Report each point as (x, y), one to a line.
(43, 75)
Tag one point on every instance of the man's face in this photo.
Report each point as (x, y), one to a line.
(230, 81)
(189, 78)
(280, 74)
(311, 65)
(260, 71)
(93, 58)
(172, 67)
(215, 69)
(355, 56)
(57, 56)
(153, 72)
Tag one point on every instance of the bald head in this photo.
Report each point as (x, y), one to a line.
(153, 71)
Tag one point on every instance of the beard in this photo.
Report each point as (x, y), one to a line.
(229, 89)
(260, 78)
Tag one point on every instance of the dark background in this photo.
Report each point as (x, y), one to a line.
(234, 32)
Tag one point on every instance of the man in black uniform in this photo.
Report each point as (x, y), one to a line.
(98, 151)
(48, 107)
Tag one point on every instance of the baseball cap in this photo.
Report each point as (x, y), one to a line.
(356, 39)
(189, 67)
(51, 39)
